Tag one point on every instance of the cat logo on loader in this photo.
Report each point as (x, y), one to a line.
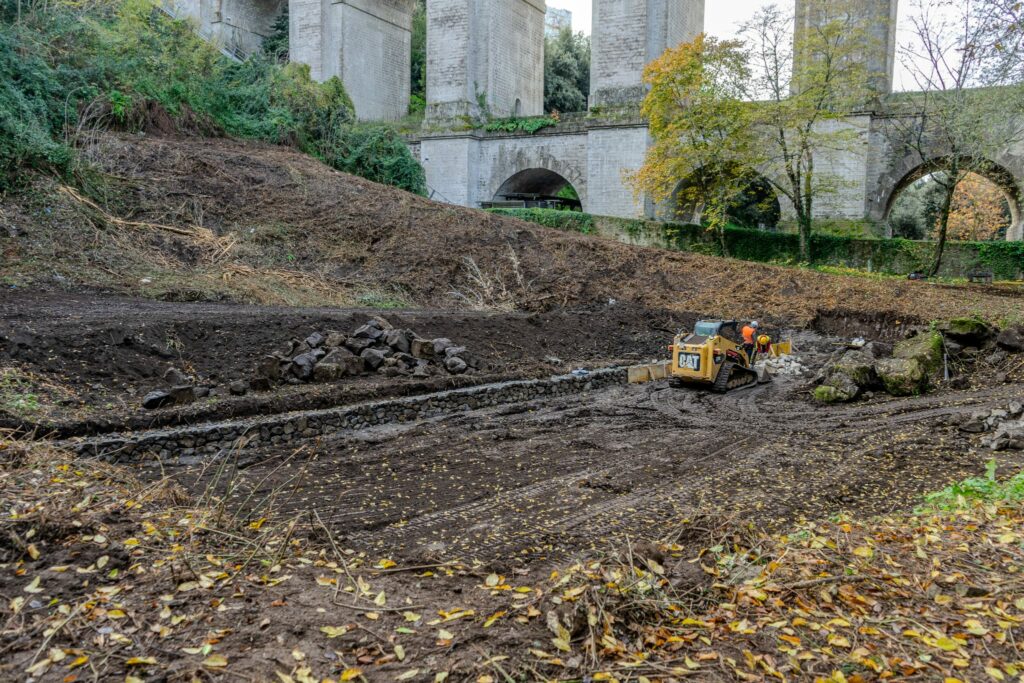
(712, 356)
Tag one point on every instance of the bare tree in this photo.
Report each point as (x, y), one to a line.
(807, 83)
(964, 57)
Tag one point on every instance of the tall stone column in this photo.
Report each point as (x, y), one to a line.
(485, 56)
(629, 34)
(365, 43)
(879, 19)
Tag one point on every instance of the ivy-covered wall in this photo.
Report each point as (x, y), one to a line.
(894, 256)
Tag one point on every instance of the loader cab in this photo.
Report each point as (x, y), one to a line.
(707, 329)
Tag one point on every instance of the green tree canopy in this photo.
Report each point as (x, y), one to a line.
(566, 72)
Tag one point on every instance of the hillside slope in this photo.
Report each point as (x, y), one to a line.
(201, 219)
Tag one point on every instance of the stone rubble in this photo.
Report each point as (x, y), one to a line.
(327, 356)
(1006, 426)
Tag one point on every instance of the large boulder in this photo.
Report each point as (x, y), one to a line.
(925, 348)
(1011, 339)
(858, 365)
(399, 340)
(839, 389)
(844, 380)
(902, 376)
(373, 358)
(968, 331)
(157, 399)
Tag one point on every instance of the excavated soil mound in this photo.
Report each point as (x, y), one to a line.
(214, 219)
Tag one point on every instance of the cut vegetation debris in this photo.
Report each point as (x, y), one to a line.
(292, 231)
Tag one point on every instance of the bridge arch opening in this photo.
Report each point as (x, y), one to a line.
(987, 204)
(539, 188)
(757, 206)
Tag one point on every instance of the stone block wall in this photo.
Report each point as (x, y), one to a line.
(628, 35)
(190, 445)
(485, 52)
(238, 26)
(365, 43)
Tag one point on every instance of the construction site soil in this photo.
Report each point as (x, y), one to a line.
(248, 230)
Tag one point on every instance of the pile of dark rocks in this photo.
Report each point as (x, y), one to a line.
(375, 347)
(1005, 425)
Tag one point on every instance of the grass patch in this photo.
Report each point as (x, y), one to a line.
(17, 393)
(986, 489)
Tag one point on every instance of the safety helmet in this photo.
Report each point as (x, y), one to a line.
(764, 339)
(755, 325)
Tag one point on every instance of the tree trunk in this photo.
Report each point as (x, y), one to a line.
(723, 244)
(940, 242)
(804, 227)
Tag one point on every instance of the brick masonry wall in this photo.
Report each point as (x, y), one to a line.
(189, 445)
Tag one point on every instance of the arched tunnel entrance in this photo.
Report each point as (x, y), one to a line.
(987, 203)
(537, 188)
(756, 206)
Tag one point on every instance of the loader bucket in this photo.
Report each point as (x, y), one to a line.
(782, 349)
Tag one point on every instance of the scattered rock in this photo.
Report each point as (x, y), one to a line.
(358, 344)
(441, 345)
(456, 365)
(966, 330)
(399, 340)
(302, 365)
(369, 331)
(996, 357)
(315, 340)
(335, 340)
(269, 368)
(902, 376)
(239, 387)
(422, 348)
(183, 395)
(373, 358)
(157, 399)
(175, 377)
(1011, 339)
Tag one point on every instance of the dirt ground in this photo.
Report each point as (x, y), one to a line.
(93, 358)
(548, 479)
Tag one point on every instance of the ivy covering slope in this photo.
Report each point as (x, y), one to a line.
(67, 70)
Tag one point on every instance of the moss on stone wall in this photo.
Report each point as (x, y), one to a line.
(891, 256)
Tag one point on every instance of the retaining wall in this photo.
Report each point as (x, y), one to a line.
(189, 445)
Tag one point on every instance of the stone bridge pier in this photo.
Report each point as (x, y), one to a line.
(485, 59)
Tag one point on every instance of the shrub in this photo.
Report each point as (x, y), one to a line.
(127, 54)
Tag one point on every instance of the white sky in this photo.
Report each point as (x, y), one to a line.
(722, 18)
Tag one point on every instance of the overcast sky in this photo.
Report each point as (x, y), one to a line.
(721, 20)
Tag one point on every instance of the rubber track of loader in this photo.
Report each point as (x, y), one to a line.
(723, 384)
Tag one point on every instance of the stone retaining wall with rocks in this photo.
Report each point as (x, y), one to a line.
(188, 445)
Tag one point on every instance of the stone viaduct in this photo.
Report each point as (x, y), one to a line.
(486, 57)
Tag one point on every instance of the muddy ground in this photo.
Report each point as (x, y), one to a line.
(545, 479)
(93, 358)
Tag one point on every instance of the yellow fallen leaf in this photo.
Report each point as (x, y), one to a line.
(492, 580)
(255, 526)
(334, 631)
(349, 674)
(411, 616)
(493, 618)
(187, 586)
(34, 586)
(947, 644)
(995, 673)
(78, 661)
(215, 662)
(975, 627)
(562, 644)
(440, 677)
(372, 616)
(445, 635)
(32, 551)
(411, 673)
(864, 551)
(140, 661)
(386, 564)
(400, 653)
(116, 614)
(380, 600)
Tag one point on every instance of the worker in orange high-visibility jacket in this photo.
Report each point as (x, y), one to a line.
(750, 339)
